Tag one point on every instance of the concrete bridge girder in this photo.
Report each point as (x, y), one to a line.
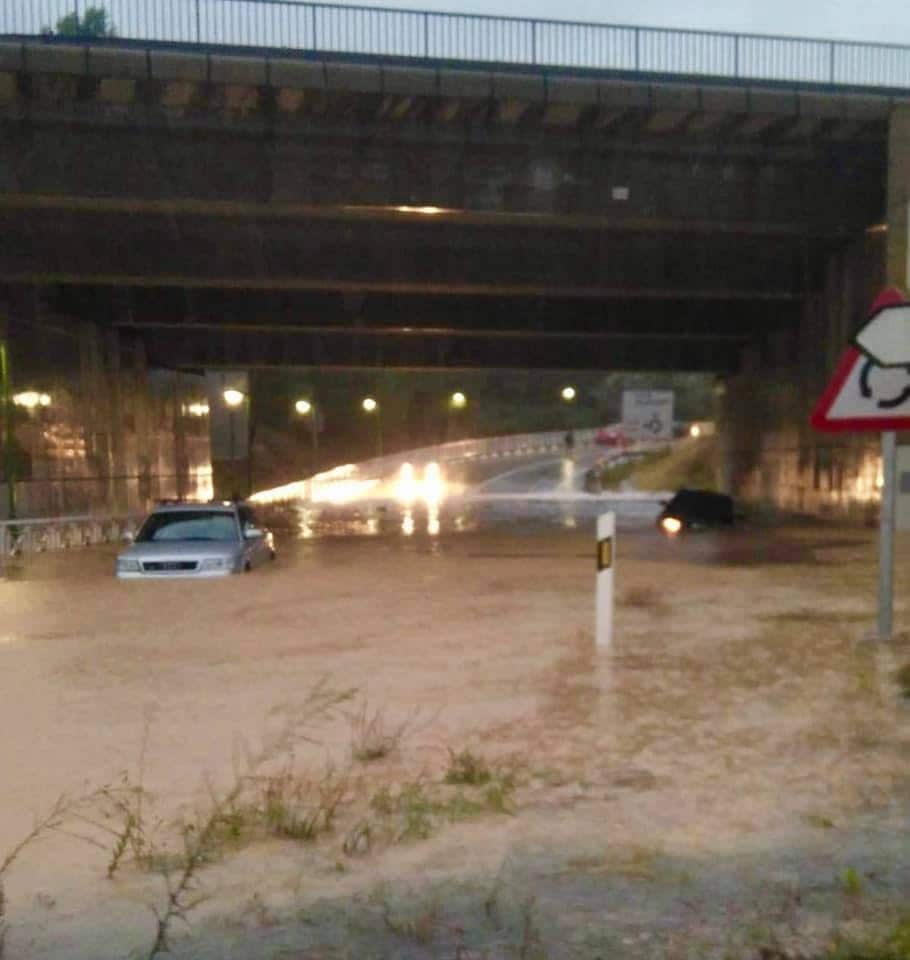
(310, 128)
(151, 76)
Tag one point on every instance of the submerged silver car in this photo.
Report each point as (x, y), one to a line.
(196, 540)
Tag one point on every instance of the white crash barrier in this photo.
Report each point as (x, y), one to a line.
(459, 451)
(40, 534)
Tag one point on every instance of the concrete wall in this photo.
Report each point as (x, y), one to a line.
(114, 436)
(769, 456)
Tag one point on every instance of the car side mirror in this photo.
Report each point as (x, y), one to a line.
(128, 536)
(252, 533)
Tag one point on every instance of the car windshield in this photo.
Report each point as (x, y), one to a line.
(188, 525)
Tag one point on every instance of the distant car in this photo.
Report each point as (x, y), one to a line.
(695, 509)
(611, 437)
(196, 540)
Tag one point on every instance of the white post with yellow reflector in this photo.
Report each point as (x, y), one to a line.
(606, 559)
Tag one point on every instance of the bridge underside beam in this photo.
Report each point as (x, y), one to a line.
(212, 347)
(196, 328)
(52, 246)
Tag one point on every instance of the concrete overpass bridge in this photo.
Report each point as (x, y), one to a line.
(241, 183)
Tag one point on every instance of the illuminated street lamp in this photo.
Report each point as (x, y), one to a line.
(306, 408)
(233, 398)
(370, 405)
(457, 402)
(31, 399)
(568, 394)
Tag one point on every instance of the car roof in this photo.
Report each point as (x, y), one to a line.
(217, 507)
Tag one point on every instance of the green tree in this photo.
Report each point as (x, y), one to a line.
(94, 22)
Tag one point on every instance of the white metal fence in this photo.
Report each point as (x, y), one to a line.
(435, 36)
(40, 534)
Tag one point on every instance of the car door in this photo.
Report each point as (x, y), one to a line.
(255, 548)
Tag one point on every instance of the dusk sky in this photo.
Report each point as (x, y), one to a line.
(886, 21)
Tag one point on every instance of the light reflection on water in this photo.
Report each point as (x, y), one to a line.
(429, 500)
(309, 521)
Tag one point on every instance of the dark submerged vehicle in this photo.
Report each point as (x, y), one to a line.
(696, 509)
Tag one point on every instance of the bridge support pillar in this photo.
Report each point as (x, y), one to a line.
(898, 204)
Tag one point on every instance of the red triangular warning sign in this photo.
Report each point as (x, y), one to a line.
(889, 297)
(862, 394)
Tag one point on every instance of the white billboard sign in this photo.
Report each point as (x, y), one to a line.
(647, 414)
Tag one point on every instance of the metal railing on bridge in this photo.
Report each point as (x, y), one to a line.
(424, 35)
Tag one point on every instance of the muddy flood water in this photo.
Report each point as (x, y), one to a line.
(471, 777)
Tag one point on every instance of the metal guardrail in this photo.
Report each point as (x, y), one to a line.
(40, 534)
(368, 476)
(425, 35)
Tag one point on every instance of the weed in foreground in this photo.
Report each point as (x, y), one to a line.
(117, 812)
(293, 807)
(468, 769)
(460, 807)
(373, 737)
(894, 945)
(498, 798)
(359, 839)
(260, 803)
(284, 809)
(52, 820)
(820, 821)
(903, 679)
(851, 882)
(416, 809)
(203, 839)
(383, 800)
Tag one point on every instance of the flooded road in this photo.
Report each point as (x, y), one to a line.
(731, 776)
(519, 494)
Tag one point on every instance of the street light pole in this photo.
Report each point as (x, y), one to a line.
(8, 468)
(234, 398)
(372, 406)
(233, 457)
(250, 437)
(308, 409)
(568, 395)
